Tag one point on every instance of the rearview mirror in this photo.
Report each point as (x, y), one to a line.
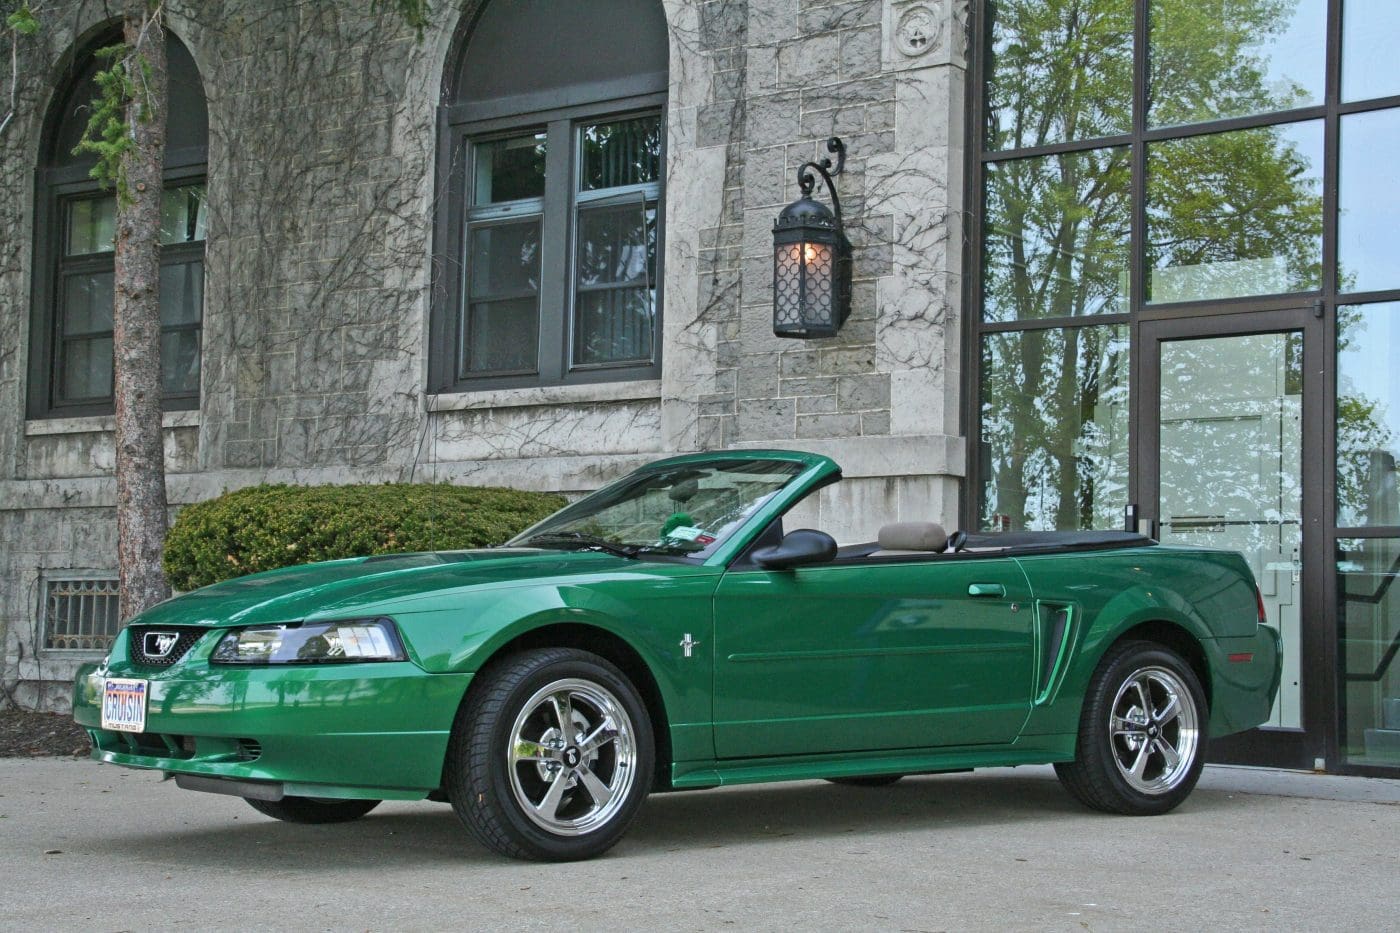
(797, 549)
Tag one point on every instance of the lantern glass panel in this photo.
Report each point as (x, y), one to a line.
(816, 272)
(787, 287)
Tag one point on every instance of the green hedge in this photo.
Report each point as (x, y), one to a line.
(264, 527)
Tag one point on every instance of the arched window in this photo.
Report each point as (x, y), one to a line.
(71, 358)
(550, 230)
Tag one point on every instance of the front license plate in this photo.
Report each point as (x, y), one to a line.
(124, 705)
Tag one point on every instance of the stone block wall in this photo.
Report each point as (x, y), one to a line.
(322, 167)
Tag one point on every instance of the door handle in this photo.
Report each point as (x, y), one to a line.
(986, 589)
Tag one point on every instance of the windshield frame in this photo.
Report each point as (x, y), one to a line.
(812, 469)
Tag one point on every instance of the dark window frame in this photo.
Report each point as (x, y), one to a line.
(54, 188)
(465, 124)
(1323, 703)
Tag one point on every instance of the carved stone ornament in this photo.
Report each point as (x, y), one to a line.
(918, 31)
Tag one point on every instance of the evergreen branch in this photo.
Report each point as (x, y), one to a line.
(107, 136)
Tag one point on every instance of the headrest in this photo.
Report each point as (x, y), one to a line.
(913, 536)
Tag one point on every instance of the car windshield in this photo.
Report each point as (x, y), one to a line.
(686, 509)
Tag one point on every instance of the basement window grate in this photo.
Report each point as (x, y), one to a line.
(80, 614)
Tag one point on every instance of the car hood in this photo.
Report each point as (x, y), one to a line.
(334, 588)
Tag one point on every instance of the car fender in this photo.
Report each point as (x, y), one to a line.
(1099, 630)
(652, 624)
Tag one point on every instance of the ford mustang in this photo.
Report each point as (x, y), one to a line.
(669, 632)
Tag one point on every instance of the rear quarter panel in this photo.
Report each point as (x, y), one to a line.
(1209, 595)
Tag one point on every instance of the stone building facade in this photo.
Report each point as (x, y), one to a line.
(326, 183)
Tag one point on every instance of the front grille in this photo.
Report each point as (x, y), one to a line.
(155, 745)
(185, 638)
(249, 750)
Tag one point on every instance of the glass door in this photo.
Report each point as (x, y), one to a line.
(1228, 448)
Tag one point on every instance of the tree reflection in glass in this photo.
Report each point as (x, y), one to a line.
(1058, 71)
(1234, 214)
(1368, 415)
(1054, 428)
(1229, 214)
(1056, 233)
(1212, 59)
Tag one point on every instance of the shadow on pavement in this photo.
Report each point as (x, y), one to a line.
(425, 834)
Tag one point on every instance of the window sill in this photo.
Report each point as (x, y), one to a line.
(648, 389)
(97, 424)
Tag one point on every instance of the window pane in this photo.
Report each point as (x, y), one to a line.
(617, 243)
(181, 293)
(625, 152)
(1369, 32)
(179, 362)
(1055, 241)
(1058, 70)
(1230, 442)
(616, 247)
(1211, 60)
(1369, 202)
(614, 325)
(1369, 625)
(1233, 214)
(86, 365)
(87, 303)
(509, 169)
(1054, 452)
(92, 223)
(182, 214)
(504, 259)
(1368, 414)
(501, 336)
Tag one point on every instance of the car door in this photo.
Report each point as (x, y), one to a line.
(871, 653)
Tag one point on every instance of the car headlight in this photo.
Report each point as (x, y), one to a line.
(311, 643)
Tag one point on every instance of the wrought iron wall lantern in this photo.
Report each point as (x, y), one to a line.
(812, 257)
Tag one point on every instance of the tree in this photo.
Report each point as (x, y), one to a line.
(127, 135)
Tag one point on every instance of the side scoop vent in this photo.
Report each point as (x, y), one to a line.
(1056, 624)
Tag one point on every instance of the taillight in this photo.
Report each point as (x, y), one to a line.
(1259, 598)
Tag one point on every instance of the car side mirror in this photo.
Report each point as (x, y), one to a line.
(797, 549)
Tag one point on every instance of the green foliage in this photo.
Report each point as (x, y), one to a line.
(265, 527)
(23, 20)
(107, 135)
(413, 12)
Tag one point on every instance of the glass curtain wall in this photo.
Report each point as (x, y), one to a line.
(1148, 158)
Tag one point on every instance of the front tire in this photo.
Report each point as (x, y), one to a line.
(551, 756)
(1142, 733)
(312, 810)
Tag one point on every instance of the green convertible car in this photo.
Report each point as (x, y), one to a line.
(668, 632)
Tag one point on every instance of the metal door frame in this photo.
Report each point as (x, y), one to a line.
(1275, 747)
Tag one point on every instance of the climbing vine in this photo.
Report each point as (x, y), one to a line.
(126, 79)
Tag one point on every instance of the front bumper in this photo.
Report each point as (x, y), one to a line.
(347, 730)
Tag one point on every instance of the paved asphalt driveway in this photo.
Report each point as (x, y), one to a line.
(97, 847)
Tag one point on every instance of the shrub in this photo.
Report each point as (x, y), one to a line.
(264, 527)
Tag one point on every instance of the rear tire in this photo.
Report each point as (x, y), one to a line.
(1142, 733)
(551, 756)
(312, 809)
(867, 780)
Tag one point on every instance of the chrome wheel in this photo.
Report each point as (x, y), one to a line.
(572, 757)
(1153, 730)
